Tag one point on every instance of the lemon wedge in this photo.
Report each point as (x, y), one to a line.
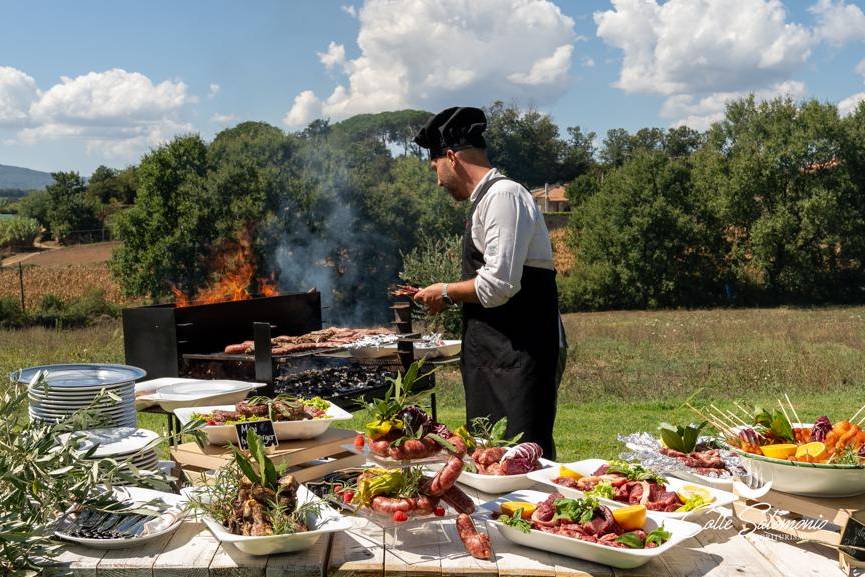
(569, 473)
(814, 449)
(780, 451)
(687, 492)
(630, 518)
(510, 508)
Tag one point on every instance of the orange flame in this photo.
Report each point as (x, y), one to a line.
(234, 269)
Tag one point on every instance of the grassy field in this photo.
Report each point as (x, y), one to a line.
(627, 370)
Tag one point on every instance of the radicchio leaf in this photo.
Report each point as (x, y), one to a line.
(822, 427)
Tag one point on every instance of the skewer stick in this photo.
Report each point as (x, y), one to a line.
(783, 410)
(736, 417)
(856, 414)
(792, 408)
(726, 419)
(743, 409)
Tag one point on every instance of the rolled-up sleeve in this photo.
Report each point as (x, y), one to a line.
(507, 230)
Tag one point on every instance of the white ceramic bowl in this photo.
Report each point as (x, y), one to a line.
(620, 558)
(327, 521)
(285, 430)
(173, 393)
(589, 466)
(806, 479)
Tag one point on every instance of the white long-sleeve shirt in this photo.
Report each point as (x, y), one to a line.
(510, 231)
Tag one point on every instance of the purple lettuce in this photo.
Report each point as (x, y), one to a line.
(821, 428)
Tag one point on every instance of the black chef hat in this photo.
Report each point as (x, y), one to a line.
(456, 128)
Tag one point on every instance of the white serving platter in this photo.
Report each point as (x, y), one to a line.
(588, 466)
(114, 441)
(138, 495)
(806, 479)
(285, 430)
(326, 521)
(496, 484)
(620, 558)
(179, 393)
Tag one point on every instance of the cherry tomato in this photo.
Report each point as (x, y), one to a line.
(400, 516)
(347, 496)
(439, 511)
(359, 441)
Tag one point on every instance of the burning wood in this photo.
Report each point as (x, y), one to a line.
(324, 339)
(234, 268)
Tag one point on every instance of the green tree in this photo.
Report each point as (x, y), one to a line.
(639, 242)
(37, 205)
(168, 234)
(69, 208)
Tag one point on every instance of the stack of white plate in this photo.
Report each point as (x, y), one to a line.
(71, 388)
(126, 445)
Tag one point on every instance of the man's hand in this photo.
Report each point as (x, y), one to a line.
(431, 298)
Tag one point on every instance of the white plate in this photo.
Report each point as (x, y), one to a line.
(285, 430)
(54, 394)
(104, 402)
(83, 377)
(136, 495)
(496, 484)
(180, 393)
(327, 521)
(112, 421)
(620, 558)
(589, 466)
(111, 410)
(114, 441)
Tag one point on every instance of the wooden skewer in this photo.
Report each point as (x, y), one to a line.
(736, 417)
(726, 419)
(783, 410)
(792, 408)
(743, 409)
(856, 414)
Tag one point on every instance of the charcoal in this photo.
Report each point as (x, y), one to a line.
(345, 381)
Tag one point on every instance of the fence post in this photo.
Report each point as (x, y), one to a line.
(21, 283)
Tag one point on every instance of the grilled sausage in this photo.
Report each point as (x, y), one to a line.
(446, 477)
(391, 505)
(456, 498)
(477, 544)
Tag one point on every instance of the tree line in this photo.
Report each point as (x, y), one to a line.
(765, 207)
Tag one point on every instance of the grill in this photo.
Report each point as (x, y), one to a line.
(168, 341)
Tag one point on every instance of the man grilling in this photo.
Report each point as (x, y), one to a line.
(511, 326)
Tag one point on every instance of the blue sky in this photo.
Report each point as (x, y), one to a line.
(92, 82)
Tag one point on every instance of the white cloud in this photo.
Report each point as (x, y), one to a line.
(415, 53)
(305, 109)
(222, 118)
(838, 22)
(213, 90)
(848, 105)
(115, 113)
(701, 112)
(699, 54)
(349, 9)
(693, 46)
(17, 92)
(548, 70)
(335, 56)
(588, 62)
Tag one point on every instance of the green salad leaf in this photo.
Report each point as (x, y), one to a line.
(635, 472)
(631, 540)
(576, 510)
(658, 536)
(604, 489)
(516, 521)
(692, 504)
(775, 423)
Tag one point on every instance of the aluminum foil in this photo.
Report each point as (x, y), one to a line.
(645, 448)
(373, 341)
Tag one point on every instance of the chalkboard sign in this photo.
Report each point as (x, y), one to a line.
(854, 537)
(264, 429)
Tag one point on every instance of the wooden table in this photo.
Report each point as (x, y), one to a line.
(192, 551)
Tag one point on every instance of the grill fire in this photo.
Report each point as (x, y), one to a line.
(234, 269)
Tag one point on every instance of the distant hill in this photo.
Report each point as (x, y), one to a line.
(15, 177)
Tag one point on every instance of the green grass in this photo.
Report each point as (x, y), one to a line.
(626, 371)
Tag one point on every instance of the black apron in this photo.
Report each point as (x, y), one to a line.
(510, 353)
